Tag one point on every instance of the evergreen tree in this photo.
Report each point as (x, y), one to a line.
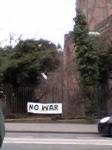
(23, 64)
(87, 59)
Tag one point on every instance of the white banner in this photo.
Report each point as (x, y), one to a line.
(44, 108)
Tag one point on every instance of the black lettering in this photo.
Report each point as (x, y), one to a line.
(56, 107)
(51, 107)
(30, 107)
(36, 107)
(44, 107)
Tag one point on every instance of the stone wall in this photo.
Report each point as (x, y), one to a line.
(105, 30)
(95, 10)
(104, 41)
(72, 95)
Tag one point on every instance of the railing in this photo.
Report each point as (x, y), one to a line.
(17, 98)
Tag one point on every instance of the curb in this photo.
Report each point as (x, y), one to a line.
(50, 120)
(52, 132)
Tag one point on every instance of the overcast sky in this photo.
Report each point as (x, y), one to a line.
(47, 19)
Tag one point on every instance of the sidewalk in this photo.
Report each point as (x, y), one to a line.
(51, 128)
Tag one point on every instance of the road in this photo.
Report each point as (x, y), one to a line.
(45, 141)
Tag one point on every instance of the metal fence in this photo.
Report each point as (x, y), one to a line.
(17, 98)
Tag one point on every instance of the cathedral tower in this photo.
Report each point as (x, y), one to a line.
(95, 10)
(98, 14)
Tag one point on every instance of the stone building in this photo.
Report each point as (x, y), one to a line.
(104, 41)
(98, 14)
(95, 11)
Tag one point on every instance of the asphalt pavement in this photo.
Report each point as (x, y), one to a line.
(51, 127)
(54, 141)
